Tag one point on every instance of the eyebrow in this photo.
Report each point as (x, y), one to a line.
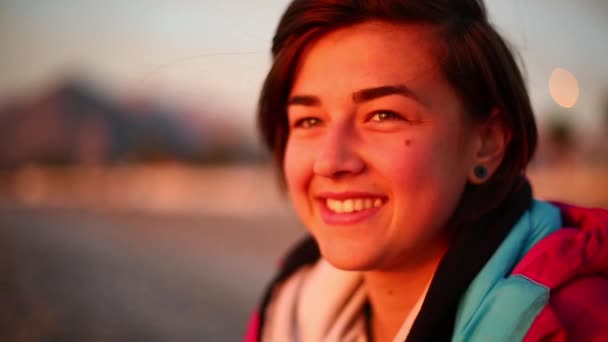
(304, 100)
(359, 96)
(369, 94)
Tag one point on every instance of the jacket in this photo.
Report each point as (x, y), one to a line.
(547, 280)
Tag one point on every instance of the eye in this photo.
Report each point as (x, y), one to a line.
(308, 122)
(385, 115)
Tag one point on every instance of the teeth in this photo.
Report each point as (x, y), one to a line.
(348, 206)
(358, 204)
(334, 205)
(352, 204)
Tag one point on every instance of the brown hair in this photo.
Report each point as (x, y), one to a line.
(474, 58)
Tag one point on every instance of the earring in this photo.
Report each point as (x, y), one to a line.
(481, 172)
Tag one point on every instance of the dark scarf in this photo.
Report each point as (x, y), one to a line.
(468, 253)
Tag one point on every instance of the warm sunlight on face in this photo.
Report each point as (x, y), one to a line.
(379, 147)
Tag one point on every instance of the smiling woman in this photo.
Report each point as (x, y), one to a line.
(355, 150)
(402, 130)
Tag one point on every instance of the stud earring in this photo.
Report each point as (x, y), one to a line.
(481, 172)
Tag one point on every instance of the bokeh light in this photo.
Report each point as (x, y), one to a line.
(564, 87)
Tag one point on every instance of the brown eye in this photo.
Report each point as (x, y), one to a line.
(384, 116)
(307, 122)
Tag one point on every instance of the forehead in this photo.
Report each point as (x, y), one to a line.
(366, 55)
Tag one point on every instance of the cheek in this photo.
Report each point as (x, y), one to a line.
(427, 183)
(450, 153)
(426, 162)
(448, 169)
(297, 167)
(411, 160)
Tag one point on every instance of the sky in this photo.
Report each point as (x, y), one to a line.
(216, 52)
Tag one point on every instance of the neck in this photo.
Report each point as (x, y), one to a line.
(394, 293)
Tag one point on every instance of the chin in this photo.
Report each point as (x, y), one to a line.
(349, 265)
(347, 259)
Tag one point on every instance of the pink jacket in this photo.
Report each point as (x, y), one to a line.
(573, 263)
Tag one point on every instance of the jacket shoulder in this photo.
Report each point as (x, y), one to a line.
(577, 311)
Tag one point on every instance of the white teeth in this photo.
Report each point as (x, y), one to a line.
(348, 206)
(334, 205)
(352, 204)
(358, 204)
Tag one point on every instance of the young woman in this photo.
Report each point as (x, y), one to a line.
(402, 129)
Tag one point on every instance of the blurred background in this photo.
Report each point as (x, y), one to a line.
(136, 202)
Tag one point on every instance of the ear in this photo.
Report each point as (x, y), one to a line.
(493, 138)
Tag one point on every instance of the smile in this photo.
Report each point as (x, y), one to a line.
(347, 209)
(352, 204)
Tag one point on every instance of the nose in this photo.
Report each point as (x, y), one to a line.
(337, 156)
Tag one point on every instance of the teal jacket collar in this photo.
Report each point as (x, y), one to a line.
(500, 307)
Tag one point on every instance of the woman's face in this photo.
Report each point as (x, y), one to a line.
(379, 146)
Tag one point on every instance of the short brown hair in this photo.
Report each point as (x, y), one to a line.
(473, 57)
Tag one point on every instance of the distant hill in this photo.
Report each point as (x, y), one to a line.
(75, 122)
